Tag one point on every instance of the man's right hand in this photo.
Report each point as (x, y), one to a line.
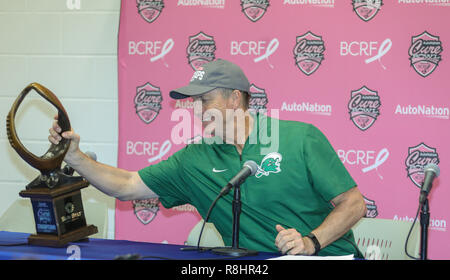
(56, 136)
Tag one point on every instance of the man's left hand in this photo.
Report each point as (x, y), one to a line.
(290, 241)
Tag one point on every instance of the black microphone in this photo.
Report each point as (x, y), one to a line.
(68, 170)
(431, 171)
(249, 169)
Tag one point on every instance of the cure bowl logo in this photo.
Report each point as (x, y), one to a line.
(150, 9)
(308, 52)
(254, 9)
(418, 157)
(258, 99)
(200, 50)
(425, 53)
(146, 209)
(366, 9)
(147, 102)
(364, 107)
(372, 211)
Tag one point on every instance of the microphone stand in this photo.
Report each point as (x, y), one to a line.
(424, 223)
(234, 250)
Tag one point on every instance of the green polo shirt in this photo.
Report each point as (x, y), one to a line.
(299, 174)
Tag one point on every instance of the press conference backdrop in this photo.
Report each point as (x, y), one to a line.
(372, 75)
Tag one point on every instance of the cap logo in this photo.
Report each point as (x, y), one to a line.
(198, 75)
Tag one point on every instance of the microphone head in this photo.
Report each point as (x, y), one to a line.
(91, 155)
(252, 166)
(431, 167)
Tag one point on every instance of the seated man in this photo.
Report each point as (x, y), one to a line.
(301, 200)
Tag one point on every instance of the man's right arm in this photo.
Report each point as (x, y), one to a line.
(116, 182)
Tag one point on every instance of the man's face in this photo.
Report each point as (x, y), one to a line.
(213, 107)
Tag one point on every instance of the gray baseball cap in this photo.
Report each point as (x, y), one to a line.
(216, 74)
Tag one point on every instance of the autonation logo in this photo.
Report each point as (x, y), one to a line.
(428, 2)
(423, 110)
(307, 107)
(435, 224)
(220, 4)
(316, 3)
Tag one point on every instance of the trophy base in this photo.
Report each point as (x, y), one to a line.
(59, 214)
(49, 240)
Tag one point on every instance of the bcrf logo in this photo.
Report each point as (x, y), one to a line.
(260, 49)
(155, 49)
(364, 158)
(370, 49)
(156, 150)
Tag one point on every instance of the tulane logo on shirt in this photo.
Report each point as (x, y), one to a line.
(269, 164)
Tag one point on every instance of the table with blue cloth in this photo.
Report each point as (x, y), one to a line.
(13, 246)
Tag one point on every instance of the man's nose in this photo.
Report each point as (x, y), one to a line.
(198, 109)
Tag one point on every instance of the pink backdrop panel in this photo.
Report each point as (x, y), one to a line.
(372, 77)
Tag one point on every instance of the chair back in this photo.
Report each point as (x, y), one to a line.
(210, 236)
(383, 239)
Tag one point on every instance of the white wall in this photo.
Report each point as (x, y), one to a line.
(73, 52)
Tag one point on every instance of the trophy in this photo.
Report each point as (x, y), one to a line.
(55, 195)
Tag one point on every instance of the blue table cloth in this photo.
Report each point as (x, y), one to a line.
(103, 249)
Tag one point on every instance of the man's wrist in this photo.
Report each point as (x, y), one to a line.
(309, 246)
(314, 244)
(74, 158)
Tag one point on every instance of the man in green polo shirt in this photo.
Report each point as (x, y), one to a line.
(301, 200)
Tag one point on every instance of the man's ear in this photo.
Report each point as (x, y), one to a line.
(236, 97)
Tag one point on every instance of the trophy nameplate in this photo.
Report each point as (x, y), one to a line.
(55, 196)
